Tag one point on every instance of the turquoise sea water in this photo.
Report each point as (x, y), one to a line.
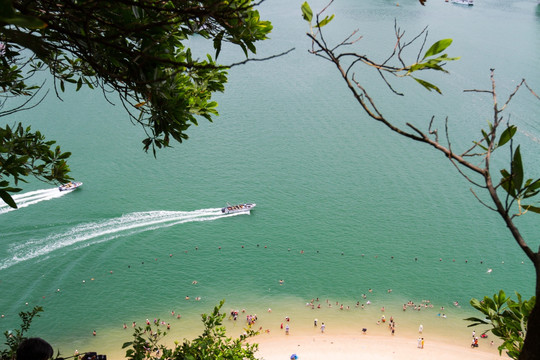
(342, 205)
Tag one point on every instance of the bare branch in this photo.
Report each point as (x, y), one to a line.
(320, 47)
(388, 84)
(398, 36)
(435, 131)
(482, 202)
(531, 90)
(446, 134)
(347, 41)
(512, 94)
(259, 59)
(23, 106)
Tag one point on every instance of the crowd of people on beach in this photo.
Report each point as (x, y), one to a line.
(314, 303)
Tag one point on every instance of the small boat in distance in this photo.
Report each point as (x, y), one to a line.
(72, 185)
(231, 209)
(463, 2)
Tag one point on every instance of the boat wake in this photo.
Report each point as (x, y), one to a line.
(88, 234)
(31, 198)
(530, 136)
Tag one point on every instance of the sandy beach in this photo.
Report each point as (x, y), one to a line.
(343, 338)
(345, 347)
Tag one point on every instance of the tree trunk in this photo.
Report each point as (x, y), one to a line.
(531, 347)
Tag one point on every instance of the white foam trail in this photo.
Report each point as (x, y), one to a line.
(84, 235)
(530, 136)
(31, 198)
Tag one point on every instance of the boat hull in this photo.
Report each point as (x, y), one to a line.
(231, 209)
(463, 2)
(70, 186)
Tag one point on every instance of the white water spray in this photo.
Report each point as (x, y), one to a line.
(96, 232)
(31, 198)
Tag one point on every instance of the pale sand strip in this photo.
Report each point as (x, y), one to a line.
(354, 347)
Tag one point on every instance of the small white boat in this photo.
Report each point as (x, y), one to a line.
(463, 2)
(231, 209)
(72, 185)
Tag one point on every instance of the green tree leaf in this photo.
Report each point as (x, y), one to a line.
(7, 198)
(437, 48)
(28, 22)
(427, 85)
(307, 13)
(9, 15)
(507, 319)
(517, 169)
(507, 183)
(507, 135)
(325, 21)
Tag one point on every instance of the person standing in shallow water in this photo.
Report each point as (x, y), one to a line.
(323, 327)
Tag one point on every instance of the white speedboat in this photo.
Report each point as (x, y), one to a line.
(463, 2)
(231, 209)
(72, 185)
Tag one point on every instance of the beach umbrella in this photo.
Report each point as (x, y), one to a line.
(294, 357)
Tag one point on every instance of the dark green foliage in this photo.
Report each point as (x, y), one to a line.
(24, 153)
(211, 344)
(507, 135)
(508, 319)
(136, 50)
(512, 183)
(8, 15)
(13, 339)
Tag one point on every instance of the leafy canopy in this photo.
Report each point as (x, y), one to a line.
(146, 343)
(211, 344)
(14, 338)
(134, 49)
(508, 319)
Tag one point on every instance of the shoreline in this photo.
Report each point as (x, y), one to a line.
(343, 336)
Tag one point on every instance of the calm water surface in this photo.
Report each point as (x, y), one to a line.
(342, 205)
